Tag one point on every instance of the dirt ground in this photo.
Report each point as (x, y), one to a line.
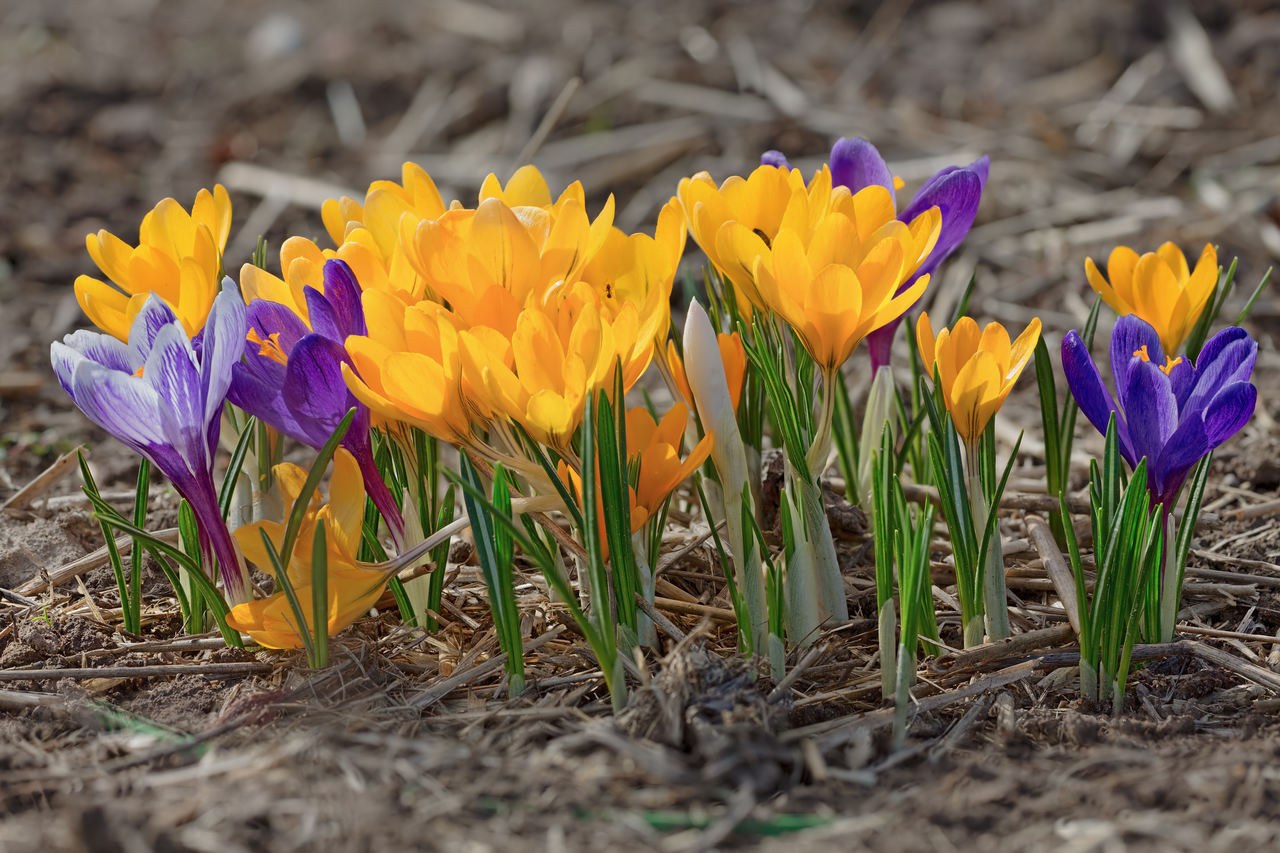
(1106, 122)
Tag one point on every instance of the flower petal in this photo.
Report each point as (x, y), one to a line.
(314, 392)
(1151, 409)
(1090, 394)
(774, 158)
(1229, 411)
(1131, 335)
(957, 195)
(856, 164)
(224, 335)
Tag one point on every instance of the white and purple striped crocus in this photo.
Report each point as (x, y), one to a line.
(291, 375)
(162, 395)
(1171, 412)
(956, 191)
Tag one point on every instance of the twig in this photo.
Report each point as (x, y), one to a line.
(668, 627)
(43, 481)
(89, 562)
(215, 670)
(720, 614)
(972, 659)
(834, 733)
(1056, 568)
(549, 119)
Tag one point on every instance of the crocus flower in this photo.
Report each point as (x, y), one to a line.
(353, 587)
(162, 396)
(842, 283)
(1167, 410)
(1159, 287)
(542, 302)
(654, 465)
(977, 368)
(733, 357)
(291, 374)
(955, 190)
(829, 262)
(178, 258)
(367, 233)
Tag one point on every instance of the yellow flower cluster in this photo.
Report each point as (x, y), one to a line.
(535, 306)
(827, 261)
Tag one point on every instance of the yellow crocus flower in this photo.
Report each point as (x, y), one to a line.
(977, 368)
(840, 282)
(654, 448)
(654, 464)
(1159, 287)
(367, 233)
(178, 258)
(409, 367)
(558, 353)
(353, 587)
(738, 220)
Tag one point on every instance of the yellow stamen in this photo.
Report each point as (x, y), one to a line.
(1169, 364)
(270, 346)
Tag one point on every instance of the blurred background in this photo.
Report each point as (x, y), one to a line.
(1107, 122)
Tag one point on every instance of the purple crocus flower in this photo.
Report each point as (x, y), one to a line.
(1172, 413)
(162, 395)
(956, 191)
(291, 375)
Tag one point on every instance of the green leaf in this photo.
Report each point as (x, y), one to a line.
(228, 488)
(320, 598)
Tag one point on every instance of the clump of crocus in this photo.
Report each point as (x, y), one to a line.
(178, 258)
(352, 588)
(543, 304)
(1158, 287)
(955, 191)
(829, 264)
(974, 370)
(1165, 418)
(291, 373)
(162, 394)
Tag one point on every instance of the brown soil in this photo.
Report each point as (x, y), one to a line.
(1101, 130)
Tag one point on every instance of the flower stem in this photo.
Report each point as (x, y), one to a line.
(994, 594)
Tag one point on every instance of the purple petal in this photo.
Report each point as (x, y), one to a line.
(1151, 409)
(1228, 357)
(1229, 411)
(256, 384)
(956, 195)
(774, 158)
(314, 391)
(1085, 383)
(272, 318)
(224, 342)
(1182, 377)
(123, 405)
(1185, 447)
(172, 373)
(856, 164)
(880, 343)
(154, 316)
(103, 349)
(342, 290)
(1131, 334)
